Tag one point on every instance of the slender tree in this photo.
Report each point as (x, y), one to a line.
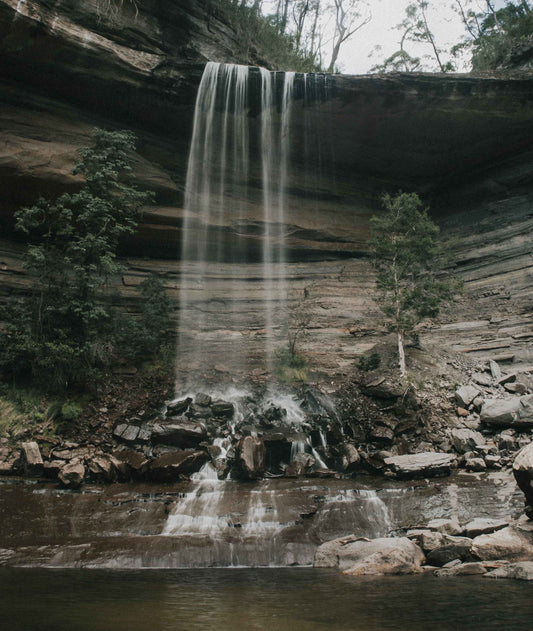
(350, 16)
(407, 258)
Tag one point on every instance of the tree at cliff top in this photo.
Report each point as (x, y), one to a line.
(406, 255)
(493, 35)
(65, 329)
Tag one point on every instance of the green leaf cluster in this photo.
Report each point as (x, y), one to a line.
(406, 255)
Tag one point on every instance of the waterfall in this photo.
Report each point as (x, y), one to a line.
(234, 217)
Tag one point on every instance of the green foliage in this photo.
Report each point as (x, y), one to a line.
(372, 362)
(499, 33)
(145, 338)
(406, 256)
(266, 39)
(63, 332)
(290, 367)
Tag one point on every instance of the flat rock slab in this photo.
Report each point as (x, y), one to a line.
(182, 434)
(172, 466)
(424, 465)
(358, 556)
(515, 412)
(522, 571)
(465, 395)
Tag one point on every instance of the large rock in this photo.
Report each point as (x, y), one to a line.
(515, 412)
(464, 440)
(181, 434)
(483, 526)
(424, 465)
(509, 544)
(71, 475)
(250, 460)
(32, 459)
(522, 571)
(454, 548)
(173, 466)
(523, 472)
(358, 556)
(464, 569)
(465, 395)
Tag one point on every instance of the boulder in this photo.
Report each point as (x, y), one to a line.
(459, 548)
(130, 462)
(102, 469)
(71, 475)
(202, 399)
(522, 571)
(250, 461)
(465, 395)
(475, 464)
(507, 543)
(172, 466)
(349, 458)
(358, 556)
(32, 459)
(182, 434)
(514, 412)
(464, 440)
(483, 526)
(178, 407)
(126, 432)
(428, 540)
(523, 472)
(301, 464)
(424, 465)
(445, 526)
(223, 409)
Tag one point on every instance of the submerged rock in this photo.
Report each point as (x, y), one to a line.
(359, 556)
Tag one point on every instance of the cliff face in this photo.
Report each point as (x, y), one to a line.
(465, 143)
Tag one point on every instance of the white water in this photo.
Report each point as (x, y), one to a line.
(220, 226)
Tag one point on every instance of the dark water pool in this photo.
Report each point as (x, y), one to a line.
(249, 599)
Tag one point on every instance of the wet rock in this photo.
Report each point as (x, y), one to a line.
(459, 548)
(465, 440)
(382, 434)
(301, 464)
(202, 399)
(32, 459)
(223, 409)
(51, 469)
(178, 407)
(507, 543)
(182, 434)
(483, 526)
(360, 556)
(250, 460)
(427, 465)
(197, 411)
(523, 472)
(172, 466)
(522, 571)
(463, 569)
(465, 395)
(71, 475)
(445, 526)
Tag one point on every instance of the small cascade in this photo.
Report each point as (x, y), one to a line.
(320, 463)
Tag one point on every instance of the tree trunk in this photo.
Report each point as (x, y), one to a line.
(401, 356)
